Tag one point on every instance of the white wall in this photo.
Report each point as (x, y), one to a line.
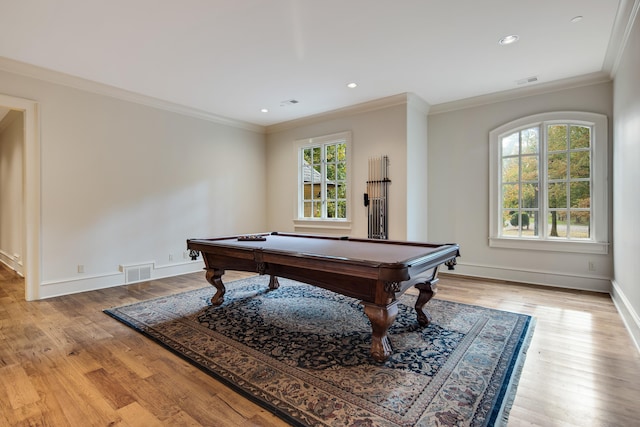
(11, 184)
(626, 184)
(417, 171)
(377, 132)
(124, 183)
(459, 191)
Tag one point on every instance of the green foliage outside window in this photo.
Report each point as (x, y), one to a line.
(568, 181)
(324, 172)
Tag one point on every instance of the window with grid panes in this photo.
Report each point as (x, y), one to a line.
(549, 183)
(323, 172)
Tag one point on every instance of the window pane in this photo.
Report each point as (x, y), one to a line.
(557, 224)
(510, 169)
(521, 223)
(579, 194)
(510, 145)
(342, 191)
(580, 225)
(557, 138)
(529, 223)
(307, 209)
(331, 209)
(580, 165)
(316, 155)
(510, 196)
(342, 171)
(316, 192)
(307, 155)
(331, 172)
(557, 166)
(342, 209)
(330, 153)
(530, 195)
(557, 195)
(306, 173)
(580, 137)
(507, 228)
(342, 152)
(529, 140)
(317, 210)
(331, 191)
(529, 168)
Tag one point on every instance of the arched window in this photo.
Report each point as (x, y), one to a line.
(549, 183)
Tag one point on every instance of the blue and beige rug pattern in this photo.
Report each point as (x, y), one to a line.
(303, 353)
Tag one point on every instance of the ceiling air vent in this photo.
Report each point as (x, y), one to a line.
(527, 80)
(289, 102)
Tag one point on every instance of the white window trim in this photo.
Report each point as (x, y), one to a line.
(328, 224)
(598, 244)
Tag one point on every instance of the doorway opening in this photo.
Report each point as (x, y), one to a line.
(29, 212)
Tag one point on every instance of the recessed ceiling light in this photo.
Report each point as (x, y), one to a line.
(576, 19)
(509, 39)
(352, 85)
(264, 110)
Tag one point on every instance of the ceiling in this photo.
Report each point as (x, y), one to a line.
(232, 58)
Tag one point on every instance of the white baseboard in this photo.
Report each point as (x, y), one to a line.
(629, 316)
(535, 277)
(109, 280)
(12, 261)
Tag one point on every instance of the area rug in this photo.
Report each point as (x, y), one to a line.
(303, 353)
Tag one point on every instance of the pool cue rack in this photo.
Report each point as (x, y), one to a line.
(376, 199)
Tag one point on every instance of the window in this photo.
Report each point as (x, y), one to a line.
(323, 172)
(549, 183)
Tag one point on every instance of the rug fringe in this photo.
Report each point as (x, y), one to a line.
(510, 395)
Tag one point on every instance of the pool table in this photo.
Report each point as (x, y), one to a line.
(376, 272)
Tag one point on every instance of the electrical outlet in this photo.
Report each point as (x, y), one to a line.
(170, 257)
(592, 266)
(80, 268)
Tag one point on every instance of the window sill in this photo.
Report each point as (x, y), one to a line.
(323, 225)
(550, 245)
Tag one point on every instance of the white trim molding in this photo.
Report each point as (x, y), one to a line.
(629, 316)
(56, 77)
(80, 284)
(31, 173)
(365, 107)
(11, 261)
(599, 183)
(556, 279)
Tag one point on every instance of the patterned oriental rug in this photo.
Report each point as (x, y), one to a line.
(303, 353)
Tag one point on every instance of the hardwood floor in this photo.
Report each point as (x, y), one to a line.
(65, 363)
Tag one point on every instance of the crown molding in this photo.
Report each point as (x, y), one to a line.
(44, 74)
(417, 103)
(364, 107)
(625, 18)
(508, 95)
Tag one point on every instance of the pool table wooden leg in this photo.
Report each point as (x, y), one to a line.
(381, 317)
(273, 282)
(427, 290)
(214, 276)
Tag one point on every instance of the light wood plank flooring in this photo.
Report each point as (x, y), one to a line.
(65, 363)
